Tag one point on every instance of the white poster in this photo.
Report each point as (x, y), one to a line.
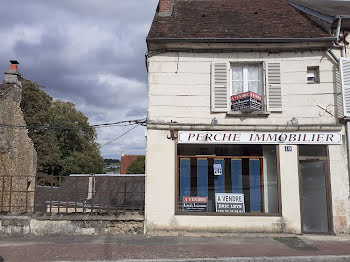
(229, 203)
(217, 169)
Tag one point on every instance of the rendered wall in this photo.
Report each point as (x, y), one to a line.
(179, 87)
(179, 91)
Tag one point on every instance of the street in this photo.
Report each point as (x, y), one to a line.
(243, 247)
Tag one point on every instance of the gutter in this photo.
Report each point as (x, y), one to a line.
(240, 40)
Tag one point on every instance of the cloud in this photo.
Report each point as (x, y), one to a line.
(88, 52)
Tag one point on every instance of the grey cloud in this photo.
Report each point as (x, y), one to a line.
(80, 41)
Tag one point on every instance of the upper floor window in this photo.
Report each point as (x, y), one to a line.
(238, 86)
(246, 78)
(246, 88)
(313, 74)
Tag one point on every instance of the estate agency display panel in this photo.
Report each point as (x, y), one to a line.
(231, 179)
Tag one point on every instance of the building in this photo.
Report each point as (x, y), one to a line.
(17, 153)
(126, 160)
(246, 126)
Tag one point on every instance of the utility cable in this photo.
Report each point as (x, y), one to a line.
(142, 122)
(119, 136)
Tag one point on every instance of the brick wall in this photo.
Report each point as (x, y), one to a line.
(165, 6)
(126, 161)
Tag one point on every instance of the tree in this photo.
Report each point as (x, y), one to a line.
(137, 166)
(35, 106)
(68, 144)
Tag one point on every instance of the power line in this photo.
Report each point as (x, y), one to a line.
(142, 122)
(119, 136)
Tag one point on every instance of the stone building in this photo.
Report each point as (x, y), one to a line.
(17, 153)
(246, 120)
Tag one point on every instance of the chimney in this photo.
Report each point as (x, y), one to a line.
(165, 7)
(12, 76)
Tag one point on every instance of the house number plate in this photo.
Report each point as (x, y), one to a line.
(288, 149)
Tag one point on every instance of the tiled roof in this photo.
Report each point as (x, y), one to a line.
(331, 8)
(234, 19)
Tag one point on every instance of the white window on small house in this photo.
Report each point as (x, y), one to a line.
(313, 75)
(246, 88)
(246, 78)
(240, 87)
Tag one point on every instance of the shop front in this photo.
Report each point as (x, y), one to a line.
(239, 174)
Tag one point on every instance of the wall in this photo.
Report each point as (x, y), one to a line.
(17, 154)
(179, 91)
(71, 225)
(179, 87)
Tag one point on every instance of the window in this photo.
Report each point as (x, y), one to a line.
(313, 74)
(229, 179)
(246, 78)
(246, 88)
(240, 87)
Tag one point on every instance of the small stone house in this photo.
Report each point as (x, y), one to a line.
(248, 109)
(17, 153)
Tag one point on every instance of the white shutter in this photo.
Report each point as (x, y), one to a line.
(273, 88)
(219, 92)
(345, 84)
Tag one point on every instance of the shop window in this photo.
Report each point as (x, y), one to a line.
(227, 179)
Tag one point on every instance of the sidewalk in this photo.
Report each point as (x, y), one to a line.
(243, 247)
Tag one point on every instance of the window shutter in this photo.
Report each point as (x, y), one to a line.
(345, 84)
(219, 94)
(273, 87)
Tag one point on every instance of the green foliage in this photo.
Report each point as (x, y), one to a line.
(137, 166)
(68, 148)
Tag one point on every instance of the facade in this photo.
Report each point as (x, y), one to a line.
(246, 130)
(17, 153)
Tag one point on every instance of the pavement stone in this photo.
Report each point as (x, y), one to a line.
(135, 248)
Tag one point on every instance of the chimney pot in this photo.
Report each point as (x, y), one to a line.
(14, 64)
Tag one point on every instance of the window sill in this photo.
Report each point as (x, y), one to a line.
(252, 114)
(179, 213)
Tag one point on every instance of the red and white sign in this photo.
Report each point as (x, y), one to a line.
(223, 137)
(245, 95)
(196, 199)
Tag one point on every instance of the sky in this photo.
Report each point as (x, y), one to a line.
(89, 52)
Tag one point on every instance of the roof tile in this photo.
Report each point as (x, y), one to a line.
(220, 19)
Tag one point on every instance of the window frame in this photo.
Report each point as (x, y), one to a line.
(177, 212)
(262, 85)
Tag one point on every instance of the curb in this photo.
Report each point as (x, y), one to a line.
(242, 259)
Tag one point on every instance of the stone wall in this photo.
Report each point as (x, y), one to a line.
(72, 225)
(17, 153)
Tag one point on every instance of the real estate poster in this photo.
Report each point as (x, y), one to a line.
(229, 203)
(195, 204)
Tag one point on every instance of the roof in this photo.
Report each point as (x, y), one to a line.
(206, 20)
(4, 88)
(331, 8)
